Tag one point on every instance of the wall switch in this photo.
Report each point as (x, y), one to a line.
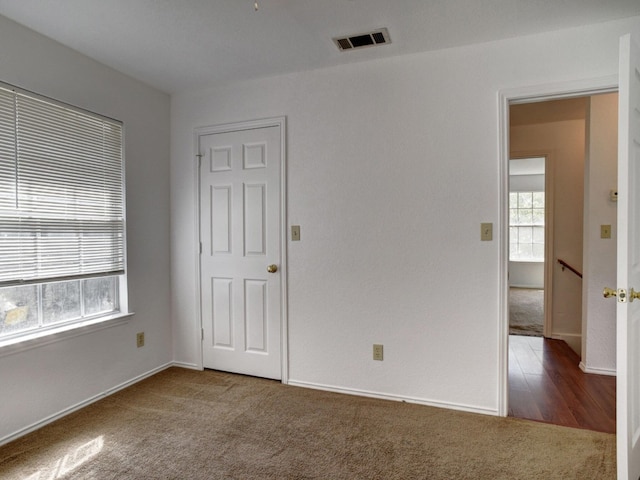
(140, 339)
(295, 233)
(378, 352)
(605, 231)
(486, 232)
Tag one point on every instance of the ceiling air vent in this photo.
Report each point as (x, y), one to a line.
(362, 40)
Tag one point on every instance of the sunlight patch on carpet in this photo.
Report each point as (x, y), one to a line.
(71, 461)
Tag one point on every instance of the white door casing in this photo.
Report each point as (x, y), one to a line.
(535, 93)
(628, 263)
(241, 205)
(628, 245)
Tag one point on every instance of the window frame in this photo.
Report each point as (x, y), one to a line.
(57, 331)
(531, 225)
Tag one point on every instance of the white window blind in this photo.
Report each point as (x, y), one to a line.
(61, 191)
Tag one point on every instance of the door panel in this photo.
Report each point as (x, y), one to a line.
(220, 232)
(240, 229)
(221, 294)
(254, 221)
(628, 310)
(256, 315)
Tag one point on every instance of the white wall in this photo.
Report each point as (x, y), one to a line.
(599, 344)
(392, 166)
(526, 274)
(41, 382)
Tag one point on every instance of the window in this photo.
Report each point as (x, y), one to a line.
(62, 222)
(526, 226)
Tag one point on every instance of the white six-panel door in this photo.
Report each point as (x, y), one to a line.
(628, 310)
(240, 229)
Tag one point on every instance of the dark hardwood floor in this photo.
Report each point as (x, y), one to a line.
(546, 384)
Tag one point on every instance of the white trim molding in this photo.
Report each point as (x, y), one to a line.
(574, 340)
(507, 97)
(598, 371)
(41, 338)
(281, 123)
(188, 366)
(80, 405)
(396, 398)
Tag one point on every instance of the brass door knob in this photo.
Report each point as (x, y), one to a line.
(634, 295)
(609, 292)
(273, 268)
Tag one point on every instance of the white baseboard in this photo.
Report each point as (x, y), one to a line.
(397, 398)
(78, 406)
(295, 383)
(190, 366)
(574, 340)
(598, 371)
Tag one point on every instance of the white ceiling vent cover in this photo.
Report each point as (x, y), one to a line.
(363, 40)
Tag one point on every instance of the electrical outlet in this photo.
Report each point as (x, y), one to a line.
(378, 352)
(140, 339)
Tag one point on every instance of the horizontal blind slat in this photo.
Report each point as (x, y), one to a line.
(63, 215)
(7, 150)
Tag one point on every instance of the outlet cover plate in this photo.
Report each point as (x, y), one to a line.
(378, 352)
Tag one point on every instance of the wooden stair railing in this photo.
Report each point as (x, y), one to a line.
(566, 265)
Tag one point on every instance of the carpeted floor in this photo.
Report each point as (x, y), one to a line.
(183, 424)
(526, 311)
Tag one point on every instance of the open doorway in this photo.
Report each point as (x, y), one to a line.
(556, 130)
(526, 246)
(548, 358)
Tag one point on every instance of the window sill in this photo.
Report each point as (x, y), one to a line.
(46, 337)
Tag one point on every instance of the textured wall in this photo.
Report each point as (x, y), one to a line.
(40, 382)
(600, 254)
(392, 166)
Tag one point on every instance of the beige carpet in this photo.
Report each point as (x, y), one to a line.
(526, 311)
(183, 424)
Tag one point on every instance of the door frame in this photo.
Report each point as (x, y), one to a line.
(506, 97)
(281, 123)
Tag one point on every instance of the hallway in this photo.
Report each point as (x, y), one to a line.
(546, 384)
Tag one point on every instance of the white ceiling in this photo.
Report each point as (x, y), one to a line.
(177, 45)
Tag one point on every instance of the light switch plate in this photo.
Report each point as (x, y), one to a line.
(486, 232)
(295, 233)
(605, 231)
